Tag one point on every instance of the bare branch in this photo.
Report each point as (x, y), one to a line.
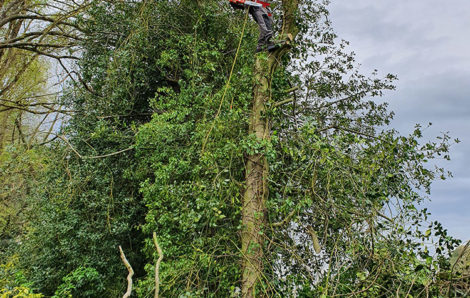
(157, 265)
(283, 102)
(131, 273)
(92, 157)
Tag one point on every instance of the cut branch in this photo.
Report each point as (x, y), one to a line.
(316, 243)
(157, 265)
(291, 89)
(129, 276)
(283, 102)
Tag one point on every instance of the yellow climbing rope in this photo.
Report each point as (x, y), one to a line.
(228, 83)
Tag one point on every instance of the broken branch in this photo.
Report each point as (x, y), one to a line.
(129, 276)
(157, 265)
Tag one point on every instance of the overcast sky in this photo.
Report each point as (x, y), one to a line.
(427, 44)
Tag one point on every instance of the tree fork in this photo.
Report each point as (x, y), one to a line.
(257, 167)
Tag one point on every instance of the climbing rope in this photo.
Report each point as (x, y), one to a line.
(228, 83)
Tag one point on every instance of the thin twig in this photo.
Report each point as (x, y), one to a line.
(92, 157)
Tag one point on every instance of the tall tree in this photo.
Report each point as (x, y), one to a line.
(257, 167)
(263, 174)
(88, 202)
(31, 32)
(309, 181)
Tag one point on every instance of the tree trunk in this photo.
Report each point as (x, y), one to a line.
(257, 167)
(256, 192)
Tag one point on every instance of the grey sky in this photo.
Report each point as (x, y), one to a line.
(427, 44)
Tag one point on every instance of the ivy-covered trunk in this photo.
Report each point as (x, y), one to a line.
(257, 167)
(256, 192)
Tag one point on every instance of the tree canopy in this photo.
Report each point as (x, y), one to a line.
(270, 174)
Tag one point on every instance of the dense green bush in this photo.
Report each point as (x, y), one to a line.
(82, 282)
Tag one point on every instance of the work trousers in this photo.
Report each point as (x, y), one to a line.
(265, 23)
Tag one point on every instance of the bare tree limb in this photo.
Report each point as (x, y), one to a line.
(131, 273)
(290, 90)
(157, 265)
(283, 102)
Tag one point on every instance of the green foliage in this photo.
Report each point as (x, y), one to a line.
(154, 76)
(82, 282)
(19, 292)
(80, 222)
(193, 196)
(19, 172)
(88, 206)
(10, 275)
(460, 260)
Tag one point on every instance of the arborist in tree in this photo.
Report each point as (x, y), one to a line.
(260, 13)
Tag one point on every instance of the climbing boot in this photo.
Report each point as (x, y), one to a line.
(272, 46)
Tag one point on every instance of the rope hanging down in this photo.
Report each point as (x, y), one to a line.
(228, 83)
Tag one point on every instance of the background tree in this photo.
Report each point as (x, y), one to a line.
(31, 32)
